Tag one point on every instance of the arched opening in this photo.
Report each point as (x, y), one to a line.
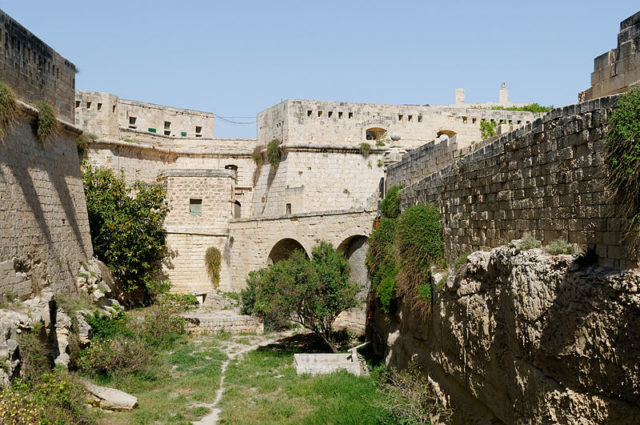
(355, 249)
(233, 168)
(237, 210)
(375, 133)
(449, 133)
(283, 250)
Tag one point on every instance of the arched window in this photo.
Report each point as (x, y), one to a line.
(237, 210)
(375, 133)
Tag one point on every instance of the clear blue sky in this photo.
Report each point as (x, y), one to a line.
(236, 58)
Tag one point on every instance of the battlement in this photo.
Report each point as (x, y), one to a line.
(34, 70)
(617, 70)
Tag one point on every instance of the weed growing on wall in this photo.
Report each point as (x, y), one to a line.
(418, 245)
(533, 107)
(46, 123)
(212, 260)
(365, 149)
(390, 206)
(381, 262)
(8, 108)
(82, 141)
(623, 155)
(488, 129)
(256, 155)
(529, 243)
(274, 154)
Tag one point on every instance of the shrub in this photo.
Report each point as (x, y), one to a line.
(46, 123)
(410, 399)
(365, 149)
(488, 129)
(127, 227)
(161, 327)
(623, 155)
(82, 141)
(558, 247)
(309, 292)
(105, 327)
(8, 109)
(274, 154)
(212, 260)
(529, 243)
(34, 355)
(533, 107)
(419, 245)
(119, 355)
(390, 206)
(381, 262)
(256, 155)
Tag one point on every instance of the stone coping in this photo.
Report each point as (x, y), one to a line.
(64, 125)
(175, 151)
(332, 148)
(196, 173)
(303, 215)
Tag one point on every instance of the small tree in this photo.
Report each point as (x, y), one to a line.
(126, 227)
(310, 292)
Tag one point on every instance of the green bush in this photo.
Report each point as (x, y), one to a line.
(118, 355)
(529, 243)
(311, 292)
(390, 206)
(212, 260)
(256, 155)
(34, 356)
(623, 155)
(105, 327)
(381, 263)
(558, 247)
(488, 129)
(46, 123)
(533, 107)
(8, 109)
(365, 149)
(419, 245)
(127, 227)
(161, 326)
(274, 154)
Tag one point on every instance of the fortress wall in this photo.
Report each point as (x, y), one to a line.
(546, 180)
(96, 113)
(343, 123)
(34, 70)
(44, 229)
(194, 228)
(317, 180)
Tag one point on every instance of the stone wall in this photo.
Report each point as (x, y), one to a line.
(544, 180)
(523, 337)
(346, 124)
(312, 179)
(34, 70)
(44, 229)
(104, 114)
(619, 69)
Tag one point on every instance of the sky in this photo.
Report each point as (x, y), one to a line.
(235, 58)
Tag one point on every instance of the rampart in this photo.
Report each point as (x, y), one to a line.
(44, 229)
(545, 180)
(34, 70)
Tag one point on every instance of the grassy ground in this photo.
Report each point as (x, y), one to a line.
(262, 388)
(170, 390)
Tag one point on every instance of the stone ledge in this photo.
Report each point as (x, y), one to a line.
(304, 215)
(196, 173)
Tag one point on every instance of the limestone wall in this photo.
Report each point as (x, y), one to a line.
(545, 180)
(619, 69)
(316, 179)
(343, 123)
(34, 70)
(44, 229)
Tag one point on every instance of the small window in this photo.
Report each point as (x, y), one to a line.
(519, 122)
(288, 209)
(419, 118)
(167, 132)
(339, 114)
(183, 133)
(113, 109)
(99, 106)
(409, 117)
(88, 105)
(400, 117)
(464, 120)
(132, 122)
(350, 115)
(309, 113)
(319, 113)
(473, 120)
(151, 130)
(330, 114)
(198, 131)
(195, 206)
(77, 103)
(167, 125)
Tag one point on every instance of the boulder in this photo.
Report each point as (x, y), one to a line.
(110, 398)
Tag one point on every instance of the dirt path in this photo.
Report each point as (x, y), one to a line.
(233, 349)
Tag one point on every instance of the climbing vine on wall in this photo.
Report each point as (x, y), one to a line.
(274, 154)
(212, 260)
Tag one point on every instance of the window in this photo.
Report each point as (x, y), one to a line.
(309, 113)
(113, 109)
(77, 103)
(464, 120)
(473, 120)
(400, 117)
(419, 118)
(350, 115)
(339, 114)
(409, 117)
(237, 210)
(99, 106)
(132, 122)
(198, 131)
(167, 128)
(88, 105)
(183, 133)
(195, 206)
(319, 113)
(288, 209)
(330, 114)
(151, 130)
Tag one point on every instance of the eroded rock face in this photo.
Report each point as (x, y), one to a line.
(525, 337)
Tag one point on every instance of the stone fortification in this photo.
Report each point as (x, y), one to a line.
(350, 124)
(44, 229)
(619, 69)
(523, 337)
(105, 114)
(34, 70)
(545, 180)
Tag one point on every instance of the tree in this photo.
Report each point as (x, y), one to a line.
(310, 292)
(126, 227)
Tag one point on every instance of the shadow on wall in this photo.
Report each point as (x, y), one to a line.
(283, 250)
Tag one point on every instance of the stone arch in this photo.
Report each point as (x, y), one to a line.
(237, 209)
(449, 133)
(355, 248)
(374, 133)
(283, 250)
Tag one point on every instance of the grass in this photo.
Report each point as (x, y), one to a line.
(169, 390)
(263, 388)
(47, 123)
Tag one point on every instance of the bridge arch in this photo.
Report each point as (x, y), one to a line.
(355, 248)
(283, 250)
